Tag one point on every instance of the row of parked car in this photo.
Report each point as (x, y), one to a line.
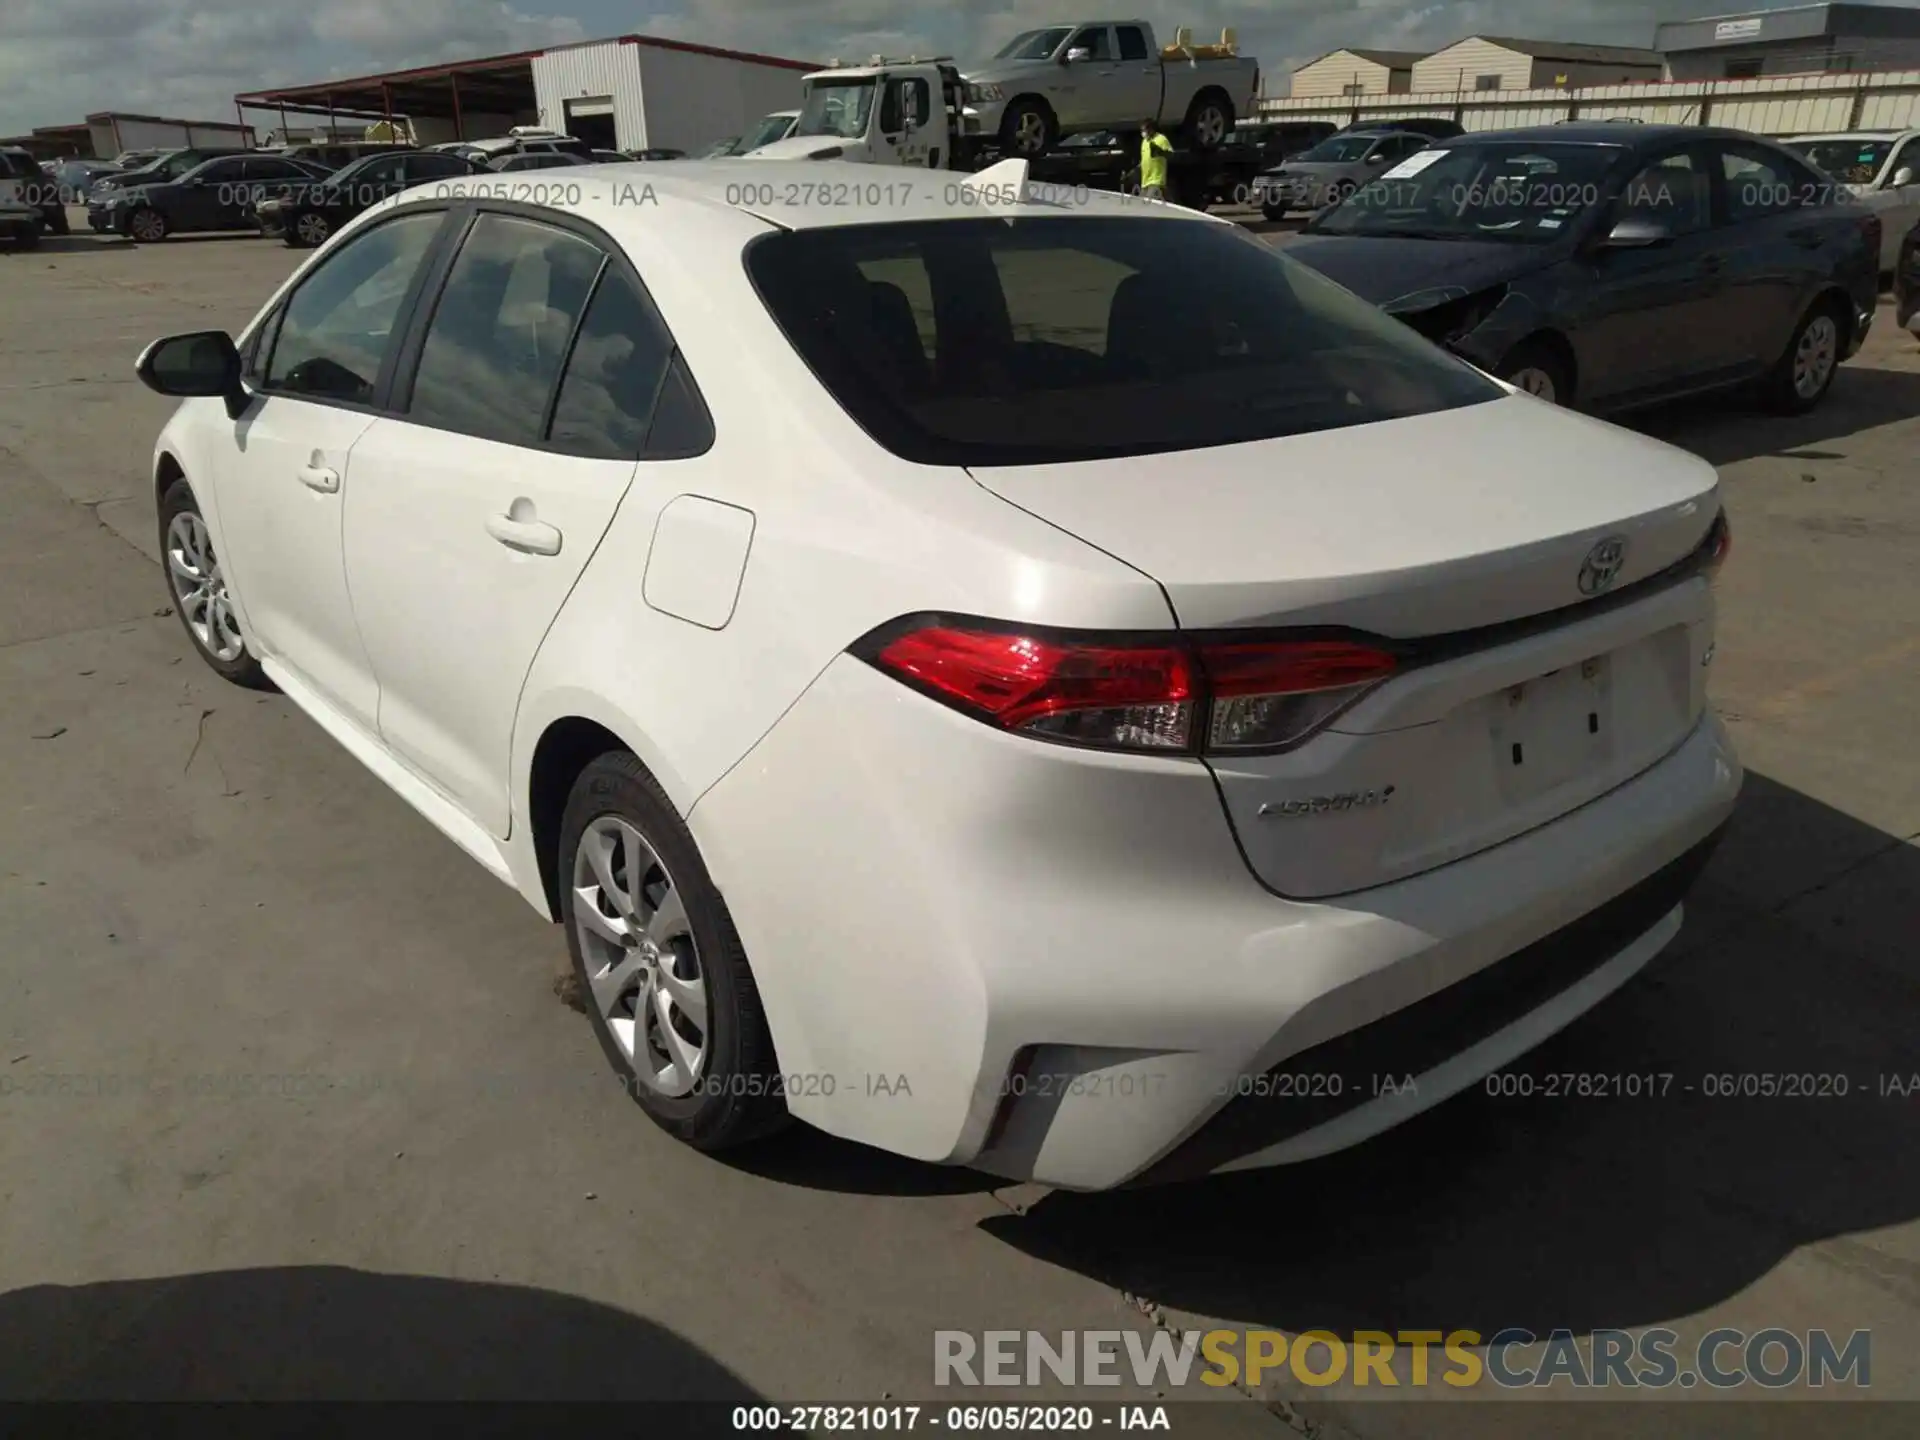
(301, 192)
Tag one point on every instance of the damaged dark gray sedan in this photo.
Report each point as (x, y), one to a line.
(1608, 267)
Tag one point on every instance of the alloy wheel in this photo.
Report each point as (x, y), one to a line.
(1535, 382)
(643, 966)
(312, 229)
(1814, 356)
(148, 225)
(200, 588)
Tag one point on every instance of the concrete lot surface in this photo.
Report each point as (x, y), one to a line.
(195, 882)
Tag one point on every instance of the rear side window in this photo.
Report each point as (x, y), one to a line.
(501, 328)
(1760, 182)
(996, 342)
(433, 167)
(334, 332)
(619, 359)
(1133, 44)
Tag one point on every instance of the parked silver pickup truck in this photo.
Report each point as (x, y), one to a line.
(1102, 75)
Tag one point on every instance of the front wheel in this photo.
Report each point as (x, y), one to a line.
(1539, 372)
(309, 229)
(1028, 129)
(147, 225)
(1274, 212)
(660, 970)
(199, 586)
(1804, 373)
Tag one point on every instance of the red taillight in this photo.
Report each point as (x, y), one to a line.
(1124, 694)
(1718, 544)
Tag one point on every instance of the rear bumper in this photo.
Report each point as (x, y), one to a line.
(1065, 959)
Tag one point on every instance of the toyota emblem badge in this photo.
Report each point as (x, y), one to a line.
(1602, 565)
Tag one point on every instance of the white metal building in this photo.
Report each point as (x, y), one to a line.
(1797, 39)
(634, 92)
(640, 92)
(1356, 72)
(1500, 62)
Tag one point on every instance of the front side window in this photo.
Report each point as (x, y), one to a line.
(1094, 41)
(906, 101)
(1851, 162)
(1028, 341)
(1674, 191)
(1033, 44)
(500, 329)
(335, 331)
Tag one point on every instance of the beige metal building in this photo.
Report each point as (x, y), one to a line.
(1500, 62)
(1357, 72)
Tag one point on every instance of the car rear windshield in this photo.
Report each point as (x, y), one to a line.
(1510, 190)
(1028, 341)
(1851, 162)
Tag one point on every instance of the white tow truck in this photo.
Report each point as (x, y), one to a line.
(914, 112)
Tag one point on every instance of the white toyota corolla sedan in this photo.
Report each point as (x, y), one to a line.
(1050, 686)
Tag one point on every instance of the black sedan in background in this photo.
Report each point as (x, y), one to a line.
(308, 214)
(1611, 266)
(218, 194)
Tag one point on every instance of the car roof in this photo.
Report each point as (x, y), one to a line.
(1854, 135)
(818, 194)
(1605, 132)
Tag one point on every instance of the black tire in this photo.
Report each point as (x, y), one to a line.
(27, 237)
(300, 242)
(1209, 120)
(243, 670)
(1780, 392)
(1536, 358)
(1274, 212)
(1033, 118)
(737, 1098)
(146, 215)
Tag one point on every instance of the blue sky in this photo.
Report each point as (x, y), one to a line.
(60, 59)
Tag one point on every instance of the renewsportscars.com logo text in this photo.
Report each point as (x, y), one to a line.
(1511, 1359)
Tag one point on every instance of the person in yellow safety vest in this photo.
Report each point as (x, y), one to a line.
(1154, 149)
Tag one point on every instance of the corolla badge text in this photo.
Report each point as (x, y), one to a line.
(1326, 804)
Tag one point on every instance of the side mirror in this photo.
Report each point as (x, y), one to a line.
(1376, 158)
(1637, 232)
(1902, 178)
(1077, 54)
(201, 364)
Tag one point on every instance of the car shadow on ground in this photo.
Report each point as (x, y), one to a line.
(332, 1333)
(1538, 1212)
(803, 1156)
(1724, 430)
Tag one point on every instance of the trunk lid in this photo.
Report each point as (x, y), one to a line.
(1414, 529)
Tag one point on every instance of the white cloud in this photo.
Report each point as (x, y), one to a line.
(60, 59)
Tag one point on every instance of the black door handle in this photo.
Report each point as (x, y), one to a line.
(1806, 239)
